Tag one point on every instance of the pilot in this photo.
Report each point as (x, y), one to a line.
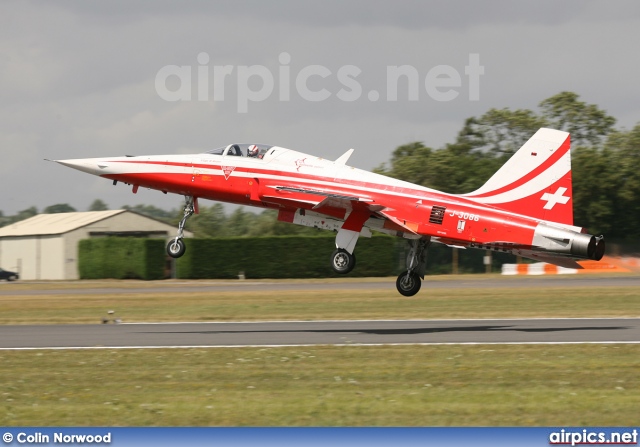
(253, 151)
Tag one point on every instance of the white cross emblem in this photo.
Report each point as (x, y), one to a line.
(556, 197)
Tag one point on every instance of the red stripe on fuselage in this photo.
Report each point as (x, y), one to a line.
(384, 194)
(490, 228)
(287, 175)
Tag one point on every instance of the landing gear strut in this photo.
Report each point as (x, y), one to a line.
(343, 259)
(176, 247)
(409, 282)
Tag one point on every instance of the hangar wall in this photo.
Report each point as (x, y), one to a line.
(40, 255)
(34, 257)
(118, 224)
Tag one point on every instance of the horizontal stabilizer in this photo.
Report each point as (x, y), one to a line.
(555, 260)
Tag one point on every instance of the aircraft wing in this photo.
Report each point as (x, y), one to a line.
(322, 198)
(336, 200)
(326, 194)
(406, 226)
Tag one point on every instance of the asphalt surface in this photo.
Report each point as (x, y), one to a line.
(515, 282)
(616, 330)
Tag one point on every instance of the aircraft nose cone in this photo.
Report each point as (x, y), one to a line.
(88, 165)
(68, 163)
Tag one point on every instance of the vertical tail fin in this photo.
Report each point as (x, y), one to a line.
(535, 181)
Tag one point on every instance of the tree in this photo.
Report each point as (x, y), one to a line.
(504, 131)
(587, 124)
(240, 222)
(210, 222)
(98, 205)
(410, 163)
(22, 215)
(594, 190)
(606, 180)
(456, 169)
(622, 151)
(59, 208)
(25, 214)
(156, 213)
(267, 224)
(500, 131)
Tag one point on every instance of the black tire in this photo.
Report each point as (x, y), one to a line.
(342, 261)
(175, 249)
(12, 278)
(408, 283)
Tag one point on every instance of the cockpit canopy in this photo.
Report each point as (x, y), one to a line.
(242, 150)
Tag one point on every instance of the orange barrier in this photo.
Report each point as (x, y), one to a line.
(608, 264)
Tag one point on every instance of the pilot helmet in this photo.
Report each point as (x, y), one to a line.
(253, 150)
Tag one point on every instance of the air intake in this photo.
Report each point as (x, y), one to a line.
(437, 215)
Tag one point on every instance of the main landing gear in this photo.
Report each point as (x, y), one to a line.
(409, 281)
(176, 247)
(342, 261)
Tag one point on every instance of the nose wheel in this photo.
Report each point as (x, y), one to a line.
(176, 247)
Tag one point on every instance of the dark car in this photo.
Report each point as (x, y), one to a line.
(9, 276)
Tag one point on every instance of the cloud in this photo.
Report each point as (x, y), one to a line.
(404, 14)
(77, 79)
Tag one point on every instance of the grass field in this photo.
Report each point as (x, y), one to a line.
(324, 386)
(335, 303)
(559, 385)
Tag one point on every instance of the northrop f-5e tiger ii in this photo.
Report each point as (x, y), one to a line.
(525, 208)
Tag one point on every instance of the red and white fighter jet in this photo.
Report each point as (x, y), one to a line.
(526, 208)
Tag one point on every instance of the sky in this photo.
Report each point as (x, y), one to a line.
(81, 79)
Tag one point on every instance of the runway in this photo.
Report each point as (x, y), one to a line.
(263, 334)
(467, 282)
(234, 334)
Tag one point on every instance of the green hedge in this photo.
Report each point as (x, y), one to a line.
(121, 258)
(263, 257)
(309, 257)
(283, 257)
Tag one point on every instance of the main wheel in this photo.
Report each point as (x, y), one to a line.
(342, 261)
(408, 283)
(175, 249)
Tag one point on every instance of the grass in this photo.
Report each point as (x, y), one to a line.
(490, 385)
(583, 385)
(332, 304)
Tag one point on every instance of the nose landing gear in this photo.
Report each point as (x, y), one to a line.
(176, 247)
